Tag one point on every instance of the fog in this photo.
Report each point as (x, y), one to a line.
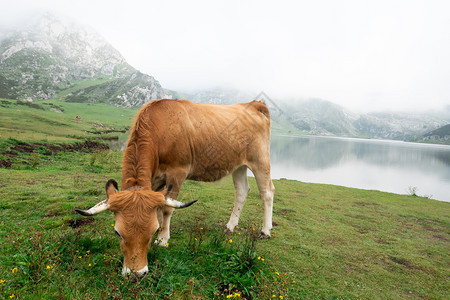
(364, 55)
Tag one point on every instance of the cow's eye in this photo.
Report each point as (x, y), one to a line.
(118, 234)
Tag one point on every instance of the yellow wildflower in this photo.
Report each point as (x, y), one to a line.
(112, 225)
(2, 281)
(278, 274)
(230, 240)
(49, 267)
(12, 296)
(14, 270)
(281, 297)
(90, 265)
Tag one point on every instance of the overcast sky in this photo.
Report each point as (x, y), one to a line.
(364, 55)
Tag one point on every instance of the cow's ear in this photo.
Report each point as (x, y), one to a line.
(111, 187)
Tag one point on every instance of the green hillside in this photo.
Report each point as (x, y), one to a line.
(133, 90)
(55, 120)
(441, 132)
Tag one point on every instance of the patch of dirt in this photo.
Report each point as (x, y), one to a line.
(75, 223)
(403, 262)
(285, 212)
(51, 214)
(427, 228)
(5, 164)
(382, 242)
(48, 149)
(86, 146)
(361, 203)
(440, 237)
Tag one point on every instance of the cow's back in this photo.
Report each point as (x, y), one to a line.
(209, 140)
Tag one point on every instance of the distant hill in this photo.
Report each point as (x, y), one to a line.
(397, 126)
(320, 117)
(55, 58)
(440, 135)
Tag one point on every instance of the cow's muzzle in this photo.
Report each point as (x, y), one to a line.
(126, 271)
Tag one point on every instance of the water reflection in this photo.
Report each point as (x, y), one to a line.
(371, 164)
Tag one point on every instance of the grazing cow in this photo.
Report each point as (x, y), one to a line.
(175, 140)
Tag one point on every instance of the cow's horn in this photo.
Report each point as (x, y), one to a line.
(98, 208)
(178, 204)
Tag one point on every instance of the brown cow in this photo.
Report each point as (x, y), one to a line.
(175, 140)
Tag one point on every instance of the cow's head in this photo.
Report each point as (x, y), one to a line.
(135, 211)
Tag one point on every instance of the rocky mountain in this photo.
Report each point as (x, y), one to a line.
(320, 117)
(397, 126)
(52, 57)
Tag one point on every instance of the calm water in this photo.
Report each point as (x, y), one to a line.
(389, 166)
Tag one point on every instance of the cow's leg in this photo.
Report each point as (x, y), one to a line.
(164, 229)
(266, 191)
(166, 212)
(241, 191)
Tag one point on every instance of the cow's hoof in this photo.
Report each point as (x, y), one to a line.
(229, 229)
(264, 236)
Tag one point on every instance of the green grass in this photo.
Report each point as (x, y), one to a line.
(82, 84)
(35, 121)
(49, 251)
(329, 242)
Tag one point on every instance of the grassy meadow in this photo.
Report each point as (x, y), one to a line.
(55, 120)
(328, 242)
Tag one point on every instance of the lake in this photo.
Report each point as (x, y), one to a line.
(391, 166)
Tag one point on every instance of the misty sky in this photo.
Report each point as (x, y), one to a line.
(364, 55)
